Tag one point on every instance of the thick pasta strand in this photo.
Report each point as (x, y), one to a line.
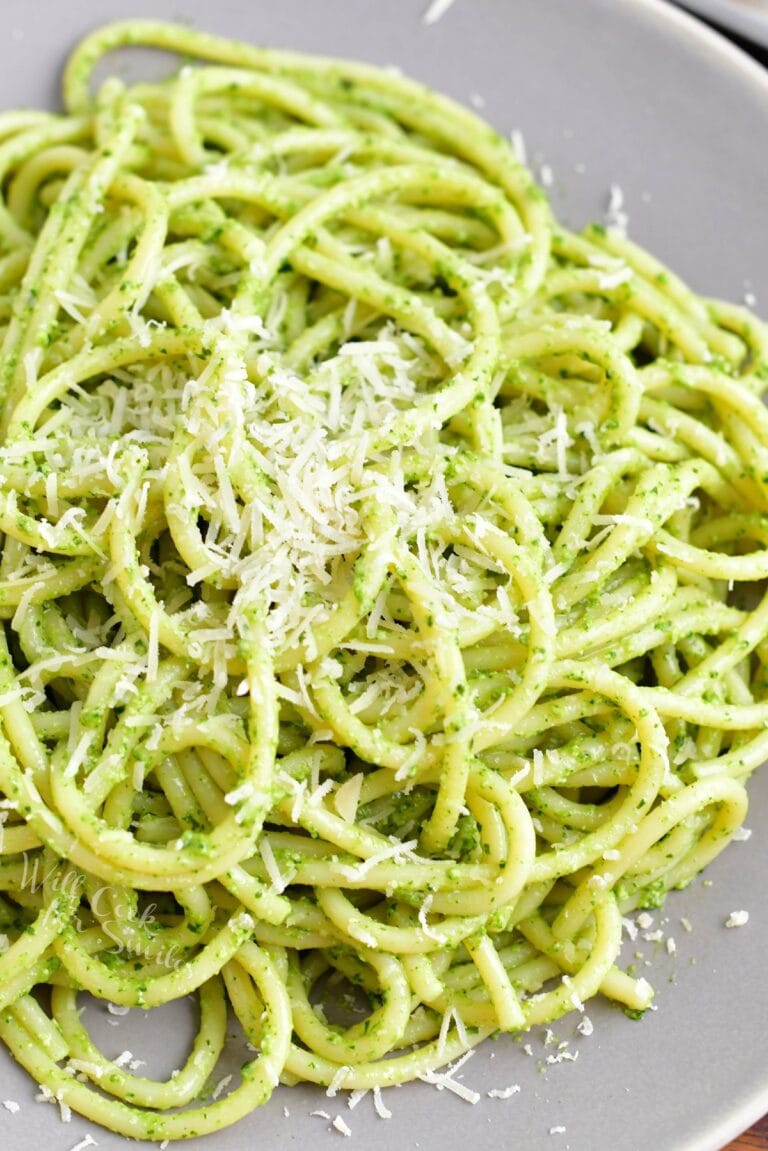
(379, 580)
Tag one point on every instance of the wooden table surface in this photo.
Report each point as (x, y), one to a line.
(756, 1139)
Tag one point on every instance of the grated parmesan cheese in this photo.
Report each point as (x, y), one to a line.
(347, 797)
(221, 1086)
(397, 850)
(436, 10)
(504, 1092)
(343, 1128)
(338, 1078)
(443, 1081)
(573, 993)
(517, 139)
(615, 214)
(380, 1107)
(451, 1016)
(88, 1141)
(423, 923)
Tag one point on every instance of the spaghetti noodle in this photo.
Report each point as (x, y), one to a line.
(378, 579)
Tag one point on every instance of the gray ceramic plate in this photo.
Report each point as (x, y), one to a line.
(627, 92)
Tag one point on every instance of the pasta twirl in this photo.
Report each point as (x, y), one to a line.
(381, 580)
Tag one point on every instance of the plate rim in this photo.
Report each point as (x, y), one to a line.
(690, 24)
(745, 22)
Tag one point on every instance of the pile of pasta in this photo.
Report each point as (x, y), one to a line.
(381, 580)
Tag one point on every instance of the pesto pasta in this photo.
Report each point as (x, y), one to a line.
(382, 580)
